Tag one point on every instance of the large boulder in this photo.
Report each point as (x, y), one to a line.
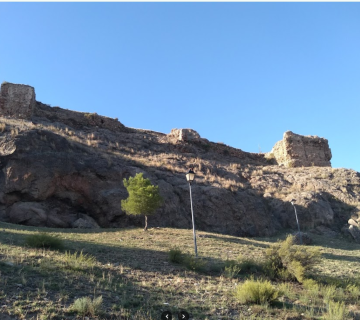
(355, 233)
(29, 213)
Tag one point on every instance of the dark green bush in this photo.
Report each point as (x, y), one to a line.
(193, 263)
(288, 261)
(44, 240)
(248, 265)
(175, 255)
(189, 261)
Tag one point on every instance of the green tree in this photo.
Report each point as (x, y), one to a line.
(144, 198)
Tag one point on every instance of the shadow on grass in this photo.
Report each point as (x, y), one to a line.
(340, 257)
(115, 254)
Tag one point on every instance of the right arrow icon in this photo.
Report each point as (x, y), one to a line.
(183, 315)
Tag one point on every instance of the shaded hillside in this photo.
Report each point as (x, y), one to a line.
(61, 168)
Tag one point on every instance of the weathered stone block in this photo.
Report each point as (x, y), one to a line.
(302, 151)
(17, 100)
(183, 135)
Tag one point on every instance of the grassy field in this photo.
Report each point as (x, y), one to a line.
(127, 274)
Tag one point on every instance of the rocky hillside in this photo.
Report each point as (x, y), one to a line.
(61, 168)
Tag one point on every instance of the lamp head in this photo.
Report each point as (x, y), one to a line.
(190, 176)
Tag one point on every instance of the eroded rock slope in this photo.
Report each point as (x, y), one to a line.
(61, 168)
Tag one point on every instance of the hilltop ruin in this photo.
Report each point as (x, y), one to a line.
(61, 168)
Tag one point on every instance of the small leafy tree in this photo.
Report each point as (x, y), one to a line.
(144, 198)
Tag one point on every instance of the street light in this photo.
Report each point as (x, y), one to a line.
(297, 221)
(190, 176)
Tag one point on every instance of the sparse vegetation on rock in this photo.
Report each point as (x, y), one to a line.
(70, 164)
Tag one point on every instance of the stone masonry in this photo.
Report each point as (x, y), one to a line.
(17, 100)
(302, 151)
(183, 135)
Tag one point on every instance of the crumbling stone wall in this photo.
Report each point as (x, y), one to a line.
(17, 100)
(183, 135)
(302, 151)
(75, 119)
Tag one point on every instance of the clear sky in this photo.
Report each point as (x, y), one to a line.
(238, 73)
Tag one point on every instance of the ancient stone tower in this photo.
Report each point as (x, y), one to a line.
(295, 150)
(17, 100)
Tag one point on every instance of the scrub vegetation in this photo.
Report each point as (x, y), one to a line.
(130, 274)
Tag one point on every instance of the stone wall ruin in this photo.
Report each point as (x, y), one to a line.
(17, 100)
(302, 151)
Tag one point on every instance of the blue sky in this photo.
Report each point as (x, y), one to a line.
(238, 73)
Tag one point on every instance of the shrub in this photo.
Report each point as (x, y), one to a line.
(78, 261)
(256, 291)
(336, 311)
(194, 263)
(328, 292)
(175, 255)
(354, 291)
(87, 307)
(248, 265)
(288, 261)
(242, 265)
(44, 240)
(231, 269)
(187, 260)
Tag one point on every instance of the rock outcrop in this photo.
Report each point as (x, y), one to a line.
(302, 151)
(60, 168)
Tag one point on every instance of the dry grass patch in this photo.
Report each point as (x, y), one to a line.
(131, 270)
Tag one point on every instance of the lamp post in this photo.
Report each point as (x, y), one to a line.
(297, 221)
(190, 176)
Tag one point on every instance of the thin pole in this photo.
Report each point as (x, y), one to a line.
(297, 221)
(193, 221)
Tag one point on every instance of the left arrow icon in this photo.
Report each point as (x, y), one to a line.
(166, 315)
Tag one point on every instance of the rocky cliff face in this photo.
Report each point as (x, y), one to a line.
(61, 168)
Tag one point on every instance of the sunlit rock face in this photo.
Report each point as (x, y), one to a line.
(302, 151)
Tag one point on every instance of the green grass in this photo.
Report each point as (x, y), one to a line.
(132, 272)
(44, 240)
(86, 306)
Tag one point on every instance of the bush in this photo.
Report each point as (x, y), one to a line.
(290, 262)
(354, 291)
(336, 311)
(194, 263)
(44, 240)
(256, 291)
(175, 255)
(187, 260)
(242, 265)
(78, 261)
(248, 265)
(87, 307)
(231, 269)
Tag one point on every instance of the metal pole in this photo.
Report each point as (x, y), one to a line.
(297, 221)
(193, 222)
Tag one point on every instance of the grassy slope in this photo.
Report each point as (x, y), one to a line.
(133, 274)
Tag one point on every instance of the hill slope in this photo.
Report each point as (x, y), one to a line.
(61, 168)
